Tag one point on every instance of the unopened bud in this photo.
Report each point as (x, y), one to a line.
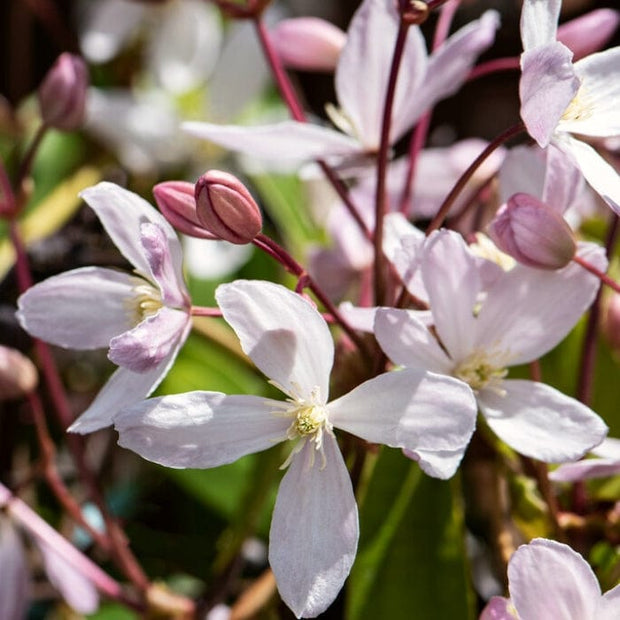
(533, 233)
(226, 208)
(588, 34)
(177, 203)
(62, 94)
(308, 43)
(18, 376)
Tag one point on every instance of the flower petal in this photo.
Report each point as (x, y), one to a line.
(79, 309)
(200, 429)
(123, 389)
(538, 421)
(609, 604)
(122, 212)
(539, 22)
(498, 608)
(283, 142)
(408, 342)
(563, 180)
(146, 345)
(549, 580)
(14, 573)
(452, 280)
(285, 336)
(314, 530)
(585, 470)
(548, 84)
(546, 304)
(412, 409)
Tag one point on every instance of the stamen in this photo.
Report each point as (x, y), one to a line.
(580, 108)
(480, 371)
(146, 301)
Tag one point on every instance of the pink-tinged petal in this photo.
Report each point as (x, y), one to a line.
(589, 33)
(585, 470)
(609, 605)
(603, 179)
(14, 573)
(286, 142)
(449, 66)
(415, 410)
(608, 449)
(80, 309)
(285, 336)
(78, 591)
(146, 345)
(200, 429)
(539, 22)
(362, 319)
(548, 579)
(499, 608)
(563, 180)
(452, 280)
(539, 421)
(163, 270)
(548, 84)
(408, 342)
(368, 52)
(122, 212)
(123, 389)
(546, 304)
(595, 111)
(314, 530)
(523, 170)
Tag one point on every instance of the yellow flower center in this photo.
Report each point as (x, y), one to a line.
(479, 372)
(580, 108)
(146, 301)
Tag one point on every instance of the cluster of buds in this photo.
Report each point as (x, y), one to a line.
(218, 206)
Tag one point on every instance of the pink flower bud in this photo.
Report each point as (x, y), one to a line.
(177, 203)
(308, 43)
(62, 94)
(533, 233)
(226, 208)
(588, 34)
(18, 375)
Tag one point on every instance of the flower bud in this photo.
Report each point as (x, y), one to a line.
(18, 375)
(308, 43)
(62, 94)
(588, 34)
(177, 203)
(226, 208)
(533, 233)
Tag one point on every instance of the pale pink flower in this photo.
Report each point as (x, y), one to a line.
(606, 463)
(314, 528)
(361, 80)
(547, 579)
(488, 320)
(560, 99)
(142, 317)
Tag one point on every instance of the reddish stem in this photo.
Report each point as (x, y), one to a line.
(602, 276)
(511, 63)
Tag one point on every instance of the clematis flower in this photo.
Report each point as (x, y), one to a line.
(547, 579)
(142, 317)
(423, 81)
(486, 325)
(560, 99)
(314, 530)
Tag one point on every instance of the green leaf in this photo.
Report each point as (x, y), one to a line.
(411, 559)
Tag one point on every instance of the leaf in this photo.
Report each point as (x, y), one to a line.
(411, 558)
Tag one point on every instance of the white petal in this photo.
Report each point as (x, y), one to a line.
(314, 530)
(80, 309)
(287, 141)
(548, 579)
(609, 605)
(123, 389)
(523, 170)
(14, 574)
(563, 180)
(452, 280)
(285, 336)
(78, 591)
(200, 429)
(585, 470)
(539, 22)
(362, 319)
(598, 173)
(528, 311)
(599, 95)
(122, 212)
(411, 409)
(408, 342)
(368, 52)
(538, 421)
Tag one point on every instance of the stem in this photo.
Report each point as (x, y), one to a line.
(511, 63)
(26, 163)
(509, 133)
(202, 311)
(382, 161)
(603, 277)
